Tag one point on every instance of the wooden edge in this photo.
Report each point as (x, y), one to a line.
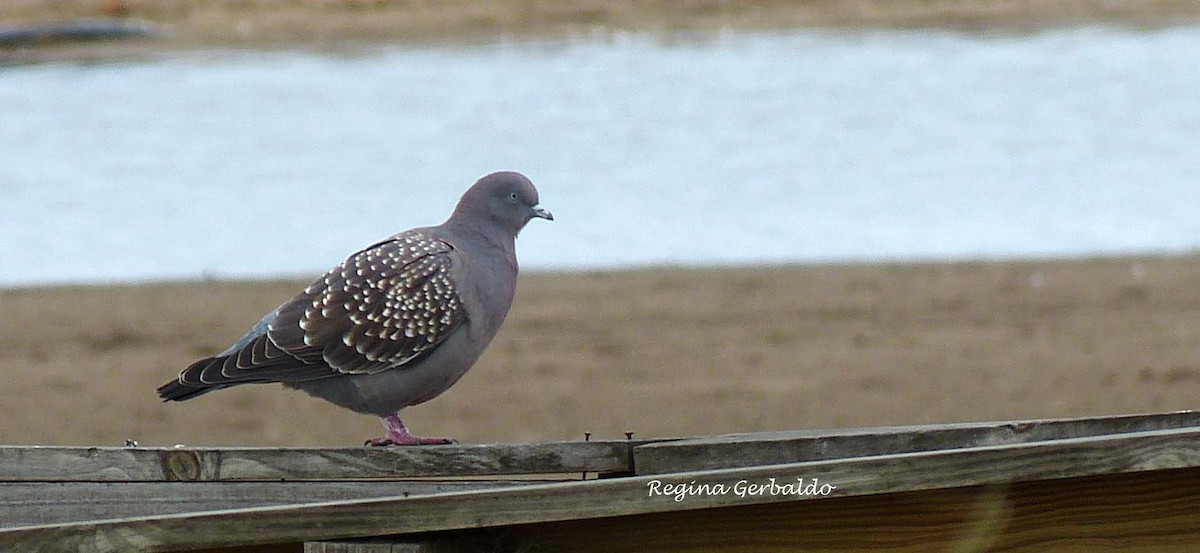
(1110, 454)
(149, 464)
(142, 464)
(1141, 511)
(393, 545)
(40, 503)
(743, 450)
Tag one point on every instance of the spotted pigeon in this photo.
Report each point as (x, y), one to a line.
(397, 323)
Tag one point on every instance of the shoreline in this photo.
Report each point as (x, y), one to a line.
(339, 25)
(303, 279)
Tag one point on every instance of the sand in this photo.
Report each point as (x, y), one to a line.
(659, 352)
(341, 24)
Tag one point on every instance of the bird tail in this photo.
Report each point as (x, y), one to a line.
(259, 361)
(189, 383)
(178, 391)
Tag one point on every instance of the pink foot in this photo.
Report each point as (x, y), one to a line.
(398, 434)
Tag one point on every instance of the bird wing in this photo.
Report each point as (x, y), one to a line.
(384, 307)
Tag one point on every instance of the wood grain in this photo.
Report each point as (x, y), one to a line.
(39, 503)
(772, 448)
(120, 464)
(430, 545)
(1146, 512)
(884, 474)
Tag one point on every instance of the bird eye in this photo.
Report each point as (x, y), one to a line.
(512, 196)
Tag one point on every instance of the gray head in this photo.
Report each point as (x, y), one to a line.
(506, 199)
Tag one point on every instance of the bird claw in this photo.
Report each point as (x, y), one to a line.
(398, 434)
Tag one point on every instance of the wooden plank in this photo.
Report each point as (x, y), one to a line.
(371, 546)
(39, 503)
(1140, 451)
(468, 542)
(1148, 511)
(145, 464)
(773, 448)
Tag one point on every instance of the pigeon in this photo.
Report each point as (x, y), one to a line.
(395, 324)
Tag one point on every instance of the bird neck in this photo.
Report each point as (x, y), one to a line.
(488, 234)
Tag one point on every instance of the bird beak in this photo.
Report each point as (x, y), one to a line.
(543, 214)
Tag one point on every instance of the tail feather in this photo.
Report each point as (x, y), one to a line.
(215, 373)
(178, 391)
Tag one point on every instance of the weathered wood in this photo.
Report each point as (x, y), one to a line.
(117, 464)
(37, 503)
(1149, 511)
(370, 546)
(773, 448)
(467, 543)
(884, 474)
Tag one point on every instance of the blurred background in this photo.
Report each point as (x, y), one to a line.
(769, 216)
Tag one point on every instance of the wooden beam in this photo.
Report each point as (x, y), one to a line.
(40, 503)
(463, 542)
(1147, 511)
(371, 546)
(191, 464)
(772, 448)
(1133, 452)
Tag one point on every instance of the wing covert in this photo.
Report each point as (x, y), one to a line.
(383, 307)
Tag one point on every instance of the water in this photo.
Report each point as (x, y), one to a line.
(799, 146)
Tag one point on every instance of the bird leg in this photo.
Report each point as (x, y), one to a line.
(398, 434)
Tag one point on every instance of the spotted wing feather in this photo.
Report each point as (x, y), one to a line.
(382, 308)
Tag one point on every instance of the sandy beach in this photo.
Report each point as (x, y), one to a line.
(658, 352)
(341, 24)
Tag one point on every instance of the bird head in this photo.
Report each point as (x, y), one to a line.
(507, 199)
